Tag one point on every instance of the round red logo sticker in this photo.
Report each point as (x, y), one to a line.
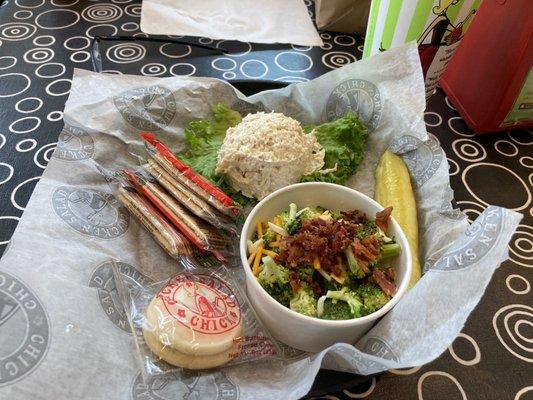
(201, 302)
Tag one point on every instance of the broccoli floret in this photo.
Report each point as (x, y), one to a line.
(274, 279)
(352, 263)
(350, 297)
(269, 236)
(389, 250)
(285, 218)
(373, 297)
(336, 310)
(272, 273)
(304, 301)
(281, 293)
(304, 273)
(369, 228)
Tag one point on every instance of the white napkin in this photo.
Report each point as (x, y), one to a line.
(272, 21)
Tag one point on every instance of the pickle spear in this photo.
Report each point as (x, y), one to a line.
(393, 188)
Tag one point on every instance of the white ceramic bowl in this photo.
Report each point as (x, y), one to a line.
(297, 330)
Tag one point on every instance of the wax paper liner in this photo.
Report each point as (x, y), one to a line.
(73, 225)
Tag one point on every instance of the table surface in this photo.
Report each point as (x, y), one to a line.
(42, 41)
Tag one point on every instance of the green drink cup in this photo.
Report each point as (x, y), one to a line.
(436, 25)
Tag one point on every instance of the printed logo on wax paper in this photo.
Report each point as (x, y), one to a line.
(348, 359)
(24, 329)
(475, 244)
(423, 161)
(91, 212)
(379, 348)
(185, 385)
(147, 108)
(359, 96)
(102, 279)
(74, 144)
(201, 302)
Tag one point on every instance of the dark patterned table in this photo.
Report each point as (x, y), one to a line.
(42, 41)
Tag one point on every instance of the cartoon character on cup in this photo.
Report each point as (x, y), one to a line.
(441, 32)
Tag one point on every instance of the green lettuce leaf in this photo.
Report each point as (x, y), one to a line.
(343, 141)
(204, 138)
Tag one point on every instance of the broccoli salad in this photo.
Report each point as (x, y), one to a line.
(325, 264)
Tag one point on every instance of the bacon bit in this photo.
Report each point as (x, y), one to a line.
(355, 216)
(317, 239)
(391, 273)
(382, 218)
(366, 251)
(384, 283)
(294, 281)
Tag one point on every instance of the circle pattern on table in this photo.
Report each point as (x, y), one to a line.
(55, 116)
(22, 145)
(129, 26)
(336, 59)
(526, 161)
(458, 126)
(174, 50)
(153, 69)
(22, 107)
(102, 13)
(469, 150)
(20, 202)
(14, 31)
(506, 148)
(101, 30)
(23, 14)
(238, 49)
(77, 43)
(182, 69)
(43, 155)
(477, 353)
(49, 19)
(80, 56)
(7, 62)
(432, 119)
(361, 395)
(23, 125)
(513, 286)
(224, 64)
(50, 70)
(29, 3)
(501, 177)
(6, 172)
(524, 138)
(64, 3)
(44, 40)
(39, 55)
(253, 69)
(292, 61)
(441, 385)
(521, 246)
(509, 323)
(63, 84)
(124, 53)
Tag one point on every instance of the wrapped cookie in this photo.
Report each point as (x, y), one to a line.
(197, 319)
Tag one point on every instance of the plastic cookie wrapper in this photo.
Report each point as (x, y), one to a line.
(186, 176)
(189, 199)
(198, 319)
(205, 237)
